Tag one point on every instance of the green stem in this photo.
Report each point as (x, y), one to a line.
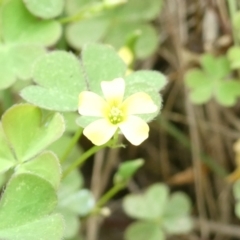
(91, 10)
(232, 9)
(80, 161)
(74, 18)
(71, 145)
(110, 194)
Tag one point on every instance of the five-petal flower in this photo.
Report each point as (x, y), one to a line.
(115, 112)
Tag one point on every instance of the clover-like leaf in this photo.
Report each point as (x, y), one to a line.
(74, 6)
(149, 206)
(212, 81)
(200, 84)
(45, 165)
(146, 42)
(45, 9)
(78, 34)
(101, 63)
(228, 92)
(73, 202)
(153, 78)
(215, 67)
(59, 148)
(7, 159)
(24, 40)
(25, 207)
(19, 26)
(151, 91)
(137, 10)
(28, 132)
(16, 62)
(176, 217)
(60, 81)
(80, 202)
(143, 231)
(233, 55)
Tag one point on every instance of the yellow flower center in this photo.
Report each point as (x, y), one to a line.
(115, 115)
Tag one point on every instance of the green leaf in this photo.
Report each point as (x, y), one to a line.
(144, 87)
(19, 26)
(70, 184)
(236, 20)
(45, 165)
(233, 55)
(78, 34)
(196, 78)
(80, 202)
(70, 121)
(179, 225)
(72, 224)
(59, 147)
(215, 67)
(51, 226)
(201, 95)
(200, 84)
(25, 121)
(61, 80)
(45, 9)
(101, 63)
(16, 61)
(83, 121)
(176, 218)
(126, 170)
(73, 201)
(27, 198)
(208, 62)
(7, 159)
(228, 92)
(179, 204)
(146, 43)
(135, 10)
(153, 78)
(74, 6)
(23, 57)
(143, 231)
(145, 206)
(7, 77)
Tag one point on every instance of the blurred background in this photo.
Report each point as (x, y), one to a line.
(194, 144)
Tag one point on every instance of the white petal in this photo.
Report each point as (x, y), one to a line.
(139, 103)
(99, 131)
(91, 104)
(135, 130)
(113, 91)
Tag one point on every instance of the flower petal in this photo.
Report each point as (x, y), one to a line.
(91, 104)
(139, 103)
(135, 130)
(113, 91)
(100, 131)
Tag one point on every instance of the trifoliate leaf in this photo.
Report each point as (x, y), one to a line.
(45, 9)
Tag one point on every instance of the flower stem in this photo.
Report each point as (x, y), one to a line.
(108, 195)
(71, 145)
(79, 162)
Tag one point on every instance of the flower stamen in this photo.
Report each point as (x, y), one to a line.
(115, 115)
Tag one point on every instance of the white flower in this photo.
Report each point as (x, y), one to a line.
(114, 112)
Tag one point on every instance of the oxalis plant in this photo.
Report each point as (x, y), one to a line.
(63, 96)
